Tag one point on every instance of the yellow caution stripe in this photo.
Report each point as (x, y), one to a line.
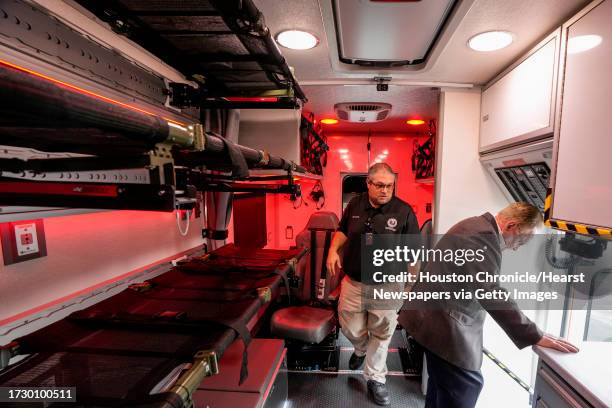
(570, 226)
(506, 370)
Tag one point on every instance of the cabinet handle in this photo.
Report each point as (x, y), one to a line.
(560, 390)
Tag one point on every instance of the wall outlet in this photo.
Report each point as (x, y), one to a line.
(26, 239)
(289, 232)
(22, 241)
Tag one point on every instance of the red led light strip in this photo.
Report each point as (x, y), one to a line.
(73, 189)
(251, 98)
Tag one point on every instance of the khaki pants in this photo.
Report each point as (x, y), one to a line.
(368, 330)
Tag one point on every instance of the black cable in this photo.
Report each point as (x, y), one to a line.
(558, 263)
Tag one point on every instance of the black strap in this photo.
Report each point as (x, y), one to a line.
(326, 246)
(328, 235)
(282, 271)
(178, 322)
(313, 263)
(240, 167)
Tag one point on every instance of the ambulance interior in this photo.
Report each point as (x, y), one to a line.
(171, 175)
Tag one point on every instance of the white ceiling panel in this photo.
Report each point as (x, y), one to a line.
(455, 63)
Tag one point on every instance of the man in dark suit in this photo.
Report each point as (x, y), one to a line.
(450, 331)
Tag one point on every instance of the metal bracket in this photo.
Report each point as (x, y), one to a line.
(29, 29)
(204, 365)
(161, 165)
(199, 141)
(7, 352)
(381, 83)
(215, 234)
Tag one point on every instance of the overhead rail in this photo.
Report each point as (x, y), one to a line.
(98, 147)
(43, 113)
(224, 45)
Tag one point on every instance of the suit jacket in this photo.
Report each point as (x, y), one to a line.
(453, 329)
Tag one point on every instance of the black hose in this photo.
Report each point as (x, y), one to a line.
(29, 102)
(214, 145)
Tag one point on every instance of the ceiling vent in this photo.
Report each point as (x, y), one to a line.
(362, 112)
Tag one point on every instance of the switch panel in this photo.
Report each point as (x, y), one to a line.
(527, 182)
(22, 241)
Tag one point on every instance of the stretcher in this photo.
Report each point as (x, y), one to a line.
(120, 350)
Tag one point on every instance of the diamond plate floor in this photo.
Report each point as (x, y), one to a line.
(348, 389)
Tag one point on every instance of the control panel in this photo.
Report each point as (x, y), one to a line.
(528, 182)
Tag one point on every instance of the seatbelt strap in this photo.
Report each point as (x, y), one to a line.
(313, 263)
(323, 277)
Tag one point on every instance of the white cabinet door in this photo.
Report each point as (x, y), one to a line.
(519, 105)
(583, 143)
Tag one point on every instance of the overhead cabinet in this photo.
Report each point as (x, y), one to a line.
(519, 105)
(582, 175)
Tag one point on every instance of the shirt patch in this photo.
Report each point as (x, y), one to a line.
(391, 224)
(355, 216)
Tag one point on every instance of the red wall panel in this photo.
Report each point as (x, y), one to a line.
(348, 154)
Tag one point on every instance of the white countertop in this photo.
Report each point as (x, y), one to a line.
(589, 371)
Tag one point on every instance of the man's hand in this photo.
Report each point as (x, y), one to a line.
(549, 341)
(333, 262)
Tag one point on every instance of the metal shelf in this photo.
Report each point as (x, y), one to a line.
(223, 45)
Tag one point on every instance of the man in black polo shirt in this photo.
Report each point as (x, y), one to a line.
(368, 327)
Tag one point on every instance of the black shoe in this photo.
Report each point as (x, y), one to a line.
(355, 362)
(379, 392)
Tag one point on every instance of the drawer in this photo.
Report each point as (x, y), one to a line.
(553, 392)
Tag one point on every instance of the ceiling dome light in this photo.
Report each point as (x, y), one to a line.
(297, 40)
(415, 122)
(329, 121)
(490, 41)
(582, 43)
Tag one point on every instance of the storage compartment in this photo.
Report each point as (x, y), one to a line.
(582, 191)
(276, 131)
(552, 392)
(265, 386)
(518, 105)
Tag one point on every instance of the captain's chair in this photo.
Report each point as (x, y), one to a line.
(315, 318)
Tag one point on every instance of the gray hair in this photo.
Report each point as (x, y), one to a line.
(525, 214)
(375, 168)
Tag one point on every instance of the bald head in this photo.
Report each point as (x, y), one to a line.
(378, 167)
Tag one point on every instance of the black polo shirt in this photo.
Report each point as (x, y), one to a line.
(395, 217)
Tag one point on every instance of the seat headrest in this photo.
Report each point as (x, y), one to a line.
(323, 220)
(427, 228)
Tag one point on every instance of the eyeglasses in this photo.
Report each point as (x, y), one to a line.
(381, 186)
